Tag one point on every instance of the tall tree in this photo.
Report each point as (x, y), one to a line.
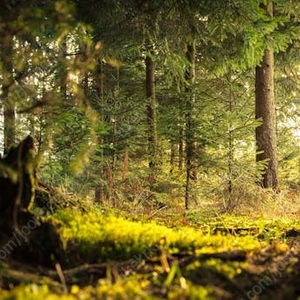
(266, 140)
(190, 124)
(8, 100)
(151, 111)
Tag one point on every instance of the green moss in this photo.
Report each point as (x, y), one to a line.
(33, 292)
(155, 252)
(107, 236)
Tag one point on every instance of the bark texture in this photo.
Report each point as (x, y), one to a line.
(266, 140)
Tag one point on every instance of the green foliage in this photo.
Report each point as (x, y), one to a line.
(73, 140)
(80, 88)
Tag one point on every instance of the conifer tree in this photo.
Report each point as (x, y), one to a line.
(191, 169)
(284, 33)
(265, 111)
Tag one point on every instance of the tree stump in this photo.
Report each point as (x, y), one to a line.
(22, 233)
(17, 177)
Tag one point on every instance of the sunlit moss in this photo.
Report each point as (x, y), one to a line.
(192, 292)
(229, 269)
(133, 288)
(32, 292)
(101, 236)
(109, 236)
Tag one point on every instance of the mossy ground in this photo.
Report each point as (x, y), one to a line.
(116, 255)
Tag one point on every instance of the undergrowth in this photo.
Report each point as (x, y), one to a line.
(193, 255)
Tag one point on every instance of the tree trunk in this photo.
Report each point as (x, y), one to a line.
(180, 148)
(115, 120)
(64, 72)
(191, 172)
(7, 100)
(125, 165)
(172, 155)
(230, 148)
(99, 82)
(151, 112)
(266, 140)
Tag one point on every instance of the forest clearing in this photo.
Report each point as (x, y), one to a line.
(149, 149)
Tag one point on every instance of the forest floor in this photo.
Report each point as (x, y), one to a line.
(164, 253)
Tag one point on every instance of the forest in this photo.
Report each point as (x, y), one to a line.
(149, 149)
